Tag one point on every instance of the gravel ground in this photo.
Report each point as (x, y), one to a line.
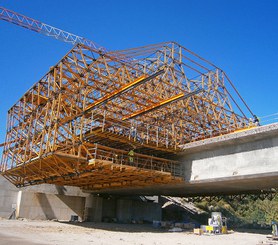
(64, 233)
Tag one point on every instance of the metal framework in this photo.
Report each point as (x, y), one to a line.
(38, 26)
(254, 195)
(165, 99)
(78, 124)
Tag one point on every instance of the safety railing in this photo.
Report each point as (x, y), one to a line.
(132, 130)
(140, 161)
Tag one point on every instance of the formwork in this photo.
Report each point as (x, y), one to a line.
(110, 120)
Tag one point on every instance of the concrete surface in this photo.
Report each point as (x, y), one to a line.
(238, 162)
(41, 202)
(47, 202)
(248, 157)
(229, 164)
(8, 197)
(93, 208)
(124, 210)
(55, 189)
(35, 205)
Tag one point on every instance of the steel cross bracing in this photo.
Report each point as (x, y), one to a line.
(239, 197)
(165, 99)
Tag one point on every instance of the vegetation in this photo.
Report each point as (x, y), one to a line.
(247, 213)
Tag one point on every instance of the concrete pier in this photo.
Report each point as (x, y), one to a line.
(41, 201)
(121, 209)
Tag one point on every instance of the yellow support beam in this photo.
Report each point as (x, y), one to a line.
(116, 92)
(162, 103)
(113, 95)
(155, 106)
(123, 89)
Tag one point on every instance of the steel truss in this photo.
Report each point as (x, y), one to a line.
(166, 97)
(254, 195)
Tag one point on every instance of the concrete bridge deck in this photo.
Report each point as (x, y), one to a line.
(240, 162)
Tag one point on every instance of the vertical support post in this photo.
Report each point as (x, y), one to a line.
(167, 138)
(147, 134)
(130, 131)
(92, 122)
(175, 135)
(172, 51)
(157, 136)
(171, 167)
(95, 152)
(135, 129)
(103, 121)
(180, 54)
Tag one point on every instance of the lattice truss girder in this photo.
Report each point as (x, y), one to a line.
(110, 168)
(93, 97)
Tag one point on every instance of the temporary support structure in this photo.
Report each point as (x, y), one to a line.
(91, 99)
(107, 168)
(77, 125)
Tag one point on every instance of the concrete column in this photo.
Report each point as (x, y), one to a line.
(8, 198)
(93, 209)
(18, 204)
(124, 210)
(128, 210)
(109, 209)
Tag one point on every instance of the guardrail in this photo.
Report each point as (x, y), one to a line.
(142, 133)
(141, 161)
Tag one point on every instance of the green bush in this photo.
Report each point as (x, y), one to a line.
(247, 213)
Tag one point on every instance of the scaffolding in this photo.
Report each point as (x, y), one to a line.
(78, 123)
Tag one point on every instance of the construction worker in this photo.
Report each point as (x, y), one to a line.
(256, 120)
(131, 157)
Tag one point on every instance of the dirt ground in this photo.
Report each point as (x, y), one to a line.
(64, 233)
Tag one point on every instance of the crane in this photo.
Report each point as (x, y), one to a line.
(48, 30)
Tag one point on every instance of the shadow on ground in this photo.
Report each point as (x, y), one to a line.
(255, 231)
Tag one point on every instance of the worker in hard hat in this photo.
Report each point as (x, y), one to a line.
(131, 157)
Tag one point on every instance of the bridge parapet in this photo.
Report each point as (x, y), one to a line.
(252, 133)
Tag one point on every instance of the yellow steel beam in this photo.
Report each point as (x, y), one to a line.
(113, 95)
(159, 104)
(123, 89)
(162, 103)
(116, 92)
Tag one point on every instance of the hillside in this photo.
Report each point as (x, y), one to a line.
(247, 213)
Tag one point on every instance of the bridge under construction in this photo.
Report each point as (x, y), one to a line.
(108, 120)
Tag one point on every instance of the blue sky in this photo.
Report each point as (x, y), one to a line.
(240, 36)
